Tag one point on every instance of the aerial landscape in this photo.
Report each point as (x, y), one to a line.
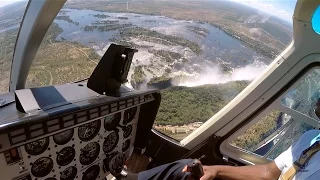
(200, 54)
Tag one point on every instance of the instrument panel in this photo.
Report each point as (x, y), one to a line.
(79, 152)
(81, 135)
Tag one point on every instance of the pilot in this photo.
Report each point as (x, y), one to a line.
(299, 161)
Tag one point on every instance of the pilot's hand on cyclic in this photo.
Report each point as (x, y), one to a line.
(210, 172)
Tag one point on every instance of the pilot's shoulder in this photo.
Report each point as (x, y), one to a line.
(303, 143)
(310, 134)
(306, 139)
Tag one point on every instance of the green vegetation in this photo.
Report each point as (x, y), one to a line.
(183, 105)
(138, 75)
(167, 70)
(150, 21)
(156, 37)
(7, 42)
(66, 18)
(60, 62)
(161, 82)
(105, 25)
(225, 68)
(51, 34)
(198, 30)
(123, 18)
(105, 22)
(102, 16)
(258, 132)
(168, 56)
(159, 79)
(109, 27)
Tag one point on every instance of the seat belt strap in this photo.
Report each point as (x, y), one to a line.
(299, 163)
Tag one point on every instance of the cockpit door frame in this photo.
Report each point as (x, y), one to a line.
(275, 103)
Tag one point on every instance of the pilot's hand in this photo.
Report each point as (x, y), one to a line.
(209, 172)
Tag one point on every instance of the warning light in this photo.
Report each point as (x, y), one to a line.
(12, 156)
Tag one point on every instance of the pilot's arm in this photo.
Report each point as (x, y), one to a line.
(272, 170)
(175, 171)
(257, 172)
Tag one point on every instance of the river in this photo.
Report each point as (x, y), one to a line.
(216, 45)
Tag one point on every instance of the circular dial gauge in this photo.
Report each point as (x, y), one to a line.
(89, 153)
(37, 147)
(129, 115)
(126, 145)
(69, 174)
(110, 142)
(63, 137)
(88, 131)
(127, 131)
(111, 122)
(91, 173)
(116, 163)
(42, 167)
(66, 156)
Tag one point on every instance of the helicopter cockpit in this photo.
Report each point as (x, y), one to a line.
(91, 86)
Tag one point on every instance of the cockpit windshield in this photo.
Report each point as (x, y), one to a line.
(11, 15)
(200, 54)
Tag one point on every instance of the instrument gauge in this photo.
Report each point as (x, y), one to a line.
(127, 131)
(91, 173)
(66, 156)
(88, 131)
(69, 173)
(37, 147)
(111, 122)
(115, 164)
(110, 142)
(126, 145)
(89, 153)
(42, 167)
(63, 137)
(129, 115)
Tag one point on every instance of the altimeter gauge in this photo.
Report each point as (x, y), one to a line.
(89, 153)
(37, 147)
(88, 131)
(110, 142)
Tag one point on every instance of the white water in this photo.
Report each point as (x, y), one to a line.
(213, 75)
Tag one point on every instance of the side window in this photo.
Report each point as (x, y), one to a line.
(272, 135)
(11, 15)
(275, 131)
(305, 97)
(65, 54)
(262, 133)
